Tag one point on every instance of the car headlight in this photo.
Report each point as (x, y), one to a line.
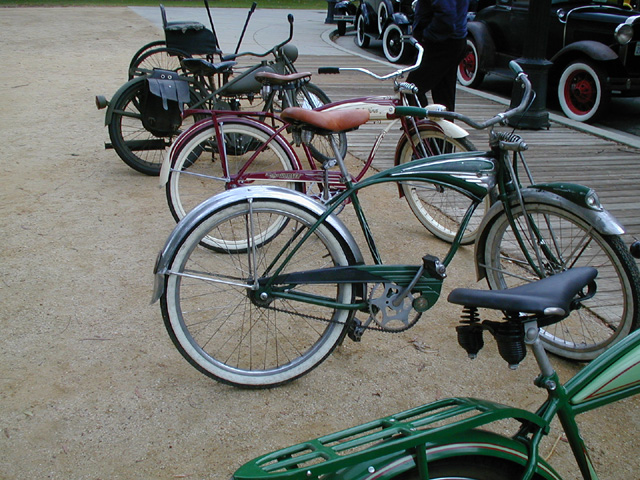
(624, 33)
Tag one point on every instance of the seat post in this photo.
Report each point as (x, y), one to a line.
(532, 338)
(340, 160)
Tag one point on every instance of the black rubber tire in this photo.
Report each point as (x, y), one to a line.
(125, 128)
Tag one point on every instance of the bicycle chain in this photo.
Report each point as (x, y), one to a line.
(367, 327)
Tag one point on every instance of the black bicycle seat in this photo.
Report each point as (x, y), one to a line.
(200, 66)
(551, 296)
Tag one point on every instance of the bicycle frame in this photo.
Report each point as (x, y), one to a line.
(387, 447)
(381, 109)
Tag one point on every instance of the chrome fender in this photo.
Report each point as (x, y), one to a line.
(476, 443)
(235, 196)
(568, 196)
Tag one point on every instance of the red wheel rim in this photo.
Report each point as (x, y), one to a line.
(580, 92)
(467, 66)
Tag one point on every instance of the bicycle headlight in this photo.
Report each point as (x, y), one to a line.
(291, 52)
(624, 33)
(592, 200)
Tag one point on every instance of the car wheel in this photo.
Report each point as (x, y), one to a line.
(469, 73)
(393, 44)
(581, 91)
(383, 13)
(361, 38)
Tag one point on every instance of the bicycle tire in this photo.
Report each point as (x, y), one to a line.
(141, 51)
(162, 57)
(438, 208)
(470, 467)
(197, 172)
(136, 146)
(320, 145)
(602, 321)
(233, 337)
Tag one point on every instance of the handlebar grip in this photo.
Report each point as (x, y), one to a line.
(328, 70)
(515, 67)
(253, 7)
(290, 18)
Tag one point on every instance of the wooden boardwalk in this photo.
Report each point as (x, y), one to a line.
(557, 154)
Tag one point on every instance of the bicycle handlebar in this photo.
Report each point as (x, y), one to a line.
(396, 74)
(271, 50)
(521, 78)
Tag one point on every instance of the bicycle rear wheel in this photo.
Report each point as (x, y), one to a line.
(199, 172)
(438, 208)
(135, 145)
(470, 467)
(566, 241)
(223, 326)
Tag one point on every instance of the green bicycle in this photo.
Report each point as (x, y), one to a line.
(448, 439)
(282, 279)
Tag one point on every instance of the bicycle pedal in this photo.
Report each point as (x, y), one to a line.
(356, 330)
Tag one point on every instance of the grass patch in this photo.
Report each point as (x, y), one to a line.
(286, 4)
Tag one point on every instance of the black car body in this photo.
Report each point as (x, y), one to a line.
(386, 20)
(593, 46)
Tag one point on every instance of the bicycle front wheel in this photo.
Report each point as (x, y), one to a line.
(203, 169)
(566, 240)
(228, 331)
(162, 57)
(440, 209)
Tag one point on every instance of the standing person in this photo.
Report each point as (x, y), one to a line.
(441, 28)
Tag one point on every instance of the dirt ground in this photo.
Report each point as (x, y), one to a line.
(91, 387)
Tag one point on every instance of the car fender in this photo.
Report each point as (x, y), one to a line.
(484, 42)
(595, 50)
(399, 19)
(238, 195)
(370, 17)
(477, 443)
(567, 196)
(345, 7)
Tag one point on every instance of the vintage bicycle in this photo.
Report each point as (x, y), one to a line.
(451, 438)
(283, 278)
(145, 115)
(225, 152)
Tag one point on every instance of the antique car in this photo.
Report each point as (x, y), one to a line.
(593, 46)
(344, 13)
(386, 20)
